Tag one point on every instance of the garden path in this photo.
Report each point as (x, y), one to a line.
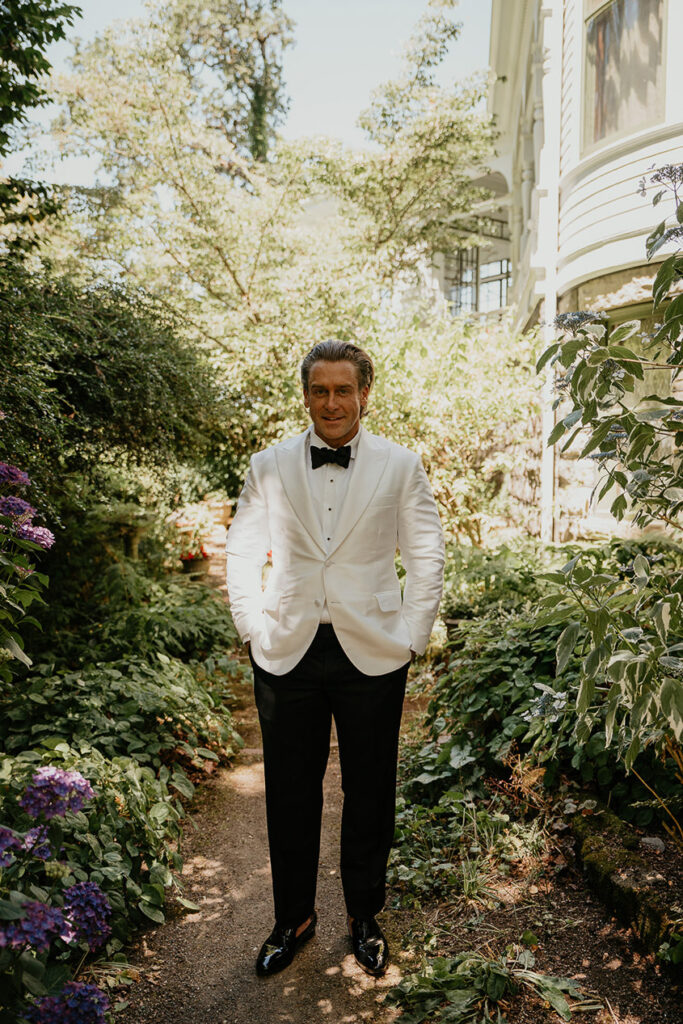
(198, 968)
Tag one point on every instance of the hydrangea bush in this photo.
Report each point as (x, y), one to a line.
(37, 934)
(20, 584)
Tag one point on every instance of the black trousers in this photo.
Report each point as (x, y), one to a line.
(295, 712)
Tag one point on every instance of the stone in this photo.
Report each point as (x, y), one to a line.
(654, 843)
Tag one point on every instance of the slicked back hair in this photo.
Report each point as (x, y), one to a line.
(334, 351)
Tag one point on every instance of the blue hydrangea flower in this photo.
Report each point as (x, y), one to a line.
(54, 791)
(39, 926)
(8, 842)
(77, 1003)
(36, 842)
(38, 534)
(12, 475)
(16, 508)
(87, 909)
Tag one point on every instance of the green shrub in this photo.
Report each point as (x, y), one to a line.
(477, 579)
(132, 708)
(500, 693)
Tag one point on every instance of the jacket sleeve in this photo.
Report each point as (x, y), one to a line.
(421, 544)
(247, 547)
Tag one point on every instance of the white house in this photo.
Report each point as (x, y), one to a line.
(588, 95)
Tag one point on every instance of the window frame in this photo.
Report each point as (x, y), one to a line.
(588, 148)
(471, 259)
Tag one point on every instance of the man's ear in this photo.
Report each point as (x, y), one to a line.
(306, 399)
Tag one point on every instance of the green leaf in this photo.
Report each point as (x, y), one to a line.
(623, 332)
(152, 912)
(556, 1000)
(14, 649)
(10, 911)
(545, 356)
(181, 782)
(570, 350)
(585, 695)
(188, 904)
(209, 754)
(619, 506)
(556, 433)
(641, 566)
(566, 644)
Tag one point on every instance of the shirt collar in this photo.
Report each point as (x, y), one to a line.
(313, 439)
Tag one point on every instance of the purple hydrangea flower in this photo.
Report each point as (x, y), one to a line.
(8, 842)
(37, 843)
(87, 909)
(12, 475)
(38, 534)
(77, 1003)
(16, 508)
(40, 925)
(53, 791)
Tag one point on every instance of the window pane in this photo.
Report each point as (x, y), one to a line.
(490, 296)
(624, 74)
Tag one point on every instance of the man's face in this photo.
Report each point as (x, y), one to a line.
(334, 401)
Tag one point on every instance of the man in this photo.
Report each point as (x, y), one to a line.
(331, 635)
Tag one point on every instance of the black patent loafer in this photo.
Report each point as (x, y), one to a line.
(277, 952)
(370, 946)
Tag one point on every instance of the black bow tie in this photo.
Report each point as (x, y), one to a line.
(340, 456)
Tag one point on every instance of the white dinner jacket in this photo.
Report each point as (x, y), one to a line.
(389, 504)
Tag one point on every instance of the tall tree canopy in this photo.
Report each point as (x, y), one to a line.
(27, 27)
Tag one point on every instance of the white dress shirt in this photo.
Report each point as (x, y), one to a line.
(329, 485)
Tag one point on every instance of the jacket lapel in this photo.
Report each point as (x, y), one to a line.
(371, 459)
(291, 464)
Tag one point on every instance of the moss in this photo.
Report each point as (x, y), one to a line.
(606, 846)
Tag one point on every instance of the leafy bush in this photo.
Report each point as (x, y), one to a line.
(173, 616)
(132, 708)
(478, 579)
(95, 372)
(624, 410)
(510, 686)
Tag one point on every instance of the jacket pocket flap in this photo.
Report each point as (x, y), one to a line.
(389, 600)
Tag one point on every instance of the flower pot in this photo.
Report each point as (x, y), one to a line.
(198, 565)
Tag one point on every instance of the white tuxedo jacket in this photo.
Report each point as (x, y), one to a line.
(389, 504)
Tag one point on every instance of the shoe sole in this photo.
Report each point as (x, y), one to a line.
(372, 974)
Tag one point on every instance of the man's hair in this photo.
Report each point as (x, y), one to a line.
(334, 351)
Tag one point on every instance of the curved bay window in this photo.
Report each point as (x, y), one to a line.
(624, 72)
